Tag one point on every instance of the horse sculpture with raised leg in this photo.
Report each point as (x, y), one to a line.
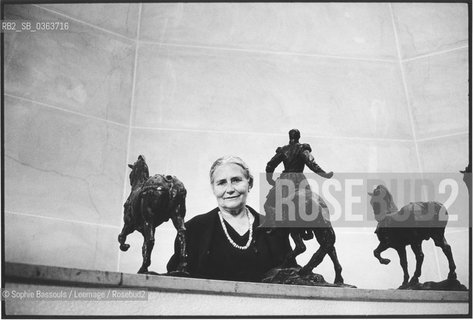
(414, 223)
(322, 230)
(295, 156)
(152, 201)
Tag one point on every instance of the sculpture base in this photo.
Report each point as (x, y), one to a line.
(176, 273)
(291, 276)
(149, 272)
(445, 285)
(172, 273)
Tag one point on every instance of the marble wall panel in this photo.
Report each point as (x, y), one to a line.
(82, 69)
(355, 30)
(63, 165)
(448, 154)
(438, 93)
(251, 92)
(356, 155)
(37, 240)
(429, 27)
(121, 18)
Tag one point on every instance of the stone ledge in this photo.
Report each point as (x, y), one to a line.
(35, 274)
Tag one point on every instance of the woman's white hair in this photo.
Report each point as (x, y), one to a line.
(235, 160)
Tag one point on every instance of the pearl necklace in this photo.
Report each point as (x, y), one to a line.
(250, 229)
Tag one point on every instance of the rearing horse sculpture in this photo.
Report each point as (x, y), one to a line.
(152, 201)
(322, 230)
(295, 156)
(409, 226)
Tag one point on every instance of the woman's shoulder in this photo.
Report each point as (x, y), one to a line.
(203, 219)
(210, 217)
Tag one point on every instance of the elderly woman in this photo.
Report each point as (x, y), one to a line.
(225, 243)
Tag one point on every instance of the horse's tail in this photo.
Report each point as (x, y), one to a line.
(177, 196)
(441, 214)
(156, 196)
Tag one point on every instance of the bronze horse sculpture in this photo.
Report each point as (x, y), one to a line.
(322, 230)
(152, 201)
(398, 228)
(295, 156)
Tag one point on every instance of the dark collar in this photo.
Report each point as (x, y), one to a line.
(211, 220)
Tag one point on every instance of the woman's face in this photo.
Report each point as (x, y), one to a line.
(230, 187)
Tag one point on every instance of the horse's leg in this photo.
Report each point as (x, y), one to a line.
(178, 221)
(127, 229)
(148, 244)
(417, 249)
(316, 259)
(377, 253)
(329, 237)
(298, 242)
(336, 264)
(299, 248)
(143, 268)
(326, 239)
(442, 243)
(148, 234)
(401, 251)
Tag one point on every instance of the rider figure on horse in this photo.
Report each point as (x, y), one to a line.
(294, 156)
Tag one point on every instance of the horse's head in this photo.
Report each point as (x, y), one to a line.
(382, 202)
(139, 171)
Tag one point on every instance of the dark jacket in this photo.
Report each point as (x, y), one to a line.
(199, 234)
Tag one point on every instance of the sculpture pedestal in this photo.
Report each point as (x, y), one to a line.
(291, 276)
(168, 296)
(445, 285)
